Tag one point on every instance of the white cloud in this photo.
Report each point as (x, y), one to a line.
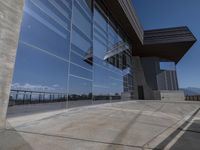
(55, 85)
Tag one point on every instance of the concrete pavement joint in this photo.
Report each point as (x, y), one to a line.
(146, 144)
(77, 139)
(173, 137)
(152, 124)
(148, 113)
(198, 132)
(168, 102)
(99, 124)
(185, 123)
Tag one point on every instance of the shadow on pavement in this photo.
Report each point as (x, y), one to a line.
(181, 142)
(119, 138)
(12, 140)
(190, 140)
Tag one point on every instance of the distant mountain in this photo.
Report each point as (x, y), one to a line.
(191, 91)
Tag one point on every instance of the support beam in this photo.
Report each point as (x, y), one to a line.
(10, 19)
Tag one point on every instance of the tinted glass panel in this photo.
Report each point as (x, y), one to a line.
(80, 71)
(45, 29)
(39, 69)
(81, 60)
(80, 92)
(70, 54)
(80, 15)
(167, 66)
(113, 61)
(81, 40)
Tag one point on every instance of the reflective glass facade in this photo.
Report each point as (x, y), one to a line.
(167, 65)
(71, 52)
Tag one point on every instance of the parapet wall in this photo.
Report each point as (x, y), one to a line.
(172, 95)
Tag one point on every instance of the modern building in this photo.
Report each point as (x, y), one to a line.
(81, 52)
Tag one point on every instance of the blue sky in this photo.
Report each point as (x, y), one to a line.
(171, 13)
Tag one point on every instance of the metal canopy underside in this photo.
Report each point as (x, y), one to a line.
(171, 43)
(124, 14)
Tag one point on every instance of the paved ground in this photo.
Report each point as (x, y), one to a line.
(19, 110)
(119, 126)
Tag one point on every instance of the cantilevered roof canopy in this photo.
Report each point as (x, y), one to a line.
(124, 14)
(169, 43)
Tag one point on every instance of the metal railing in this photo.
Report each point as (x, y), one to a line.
(192, 98)
(116, 49)
(20, 97)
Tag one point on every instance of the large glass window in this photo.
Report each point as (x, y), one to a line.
(41, 69)
(81, 73)
(112, 61)
(44, 27)
(80, 91)
(167, 65)
(70, 53)
(83, 17)
(33, 70)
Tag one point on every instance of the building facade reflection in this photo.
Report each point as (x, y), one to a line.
(71, 51)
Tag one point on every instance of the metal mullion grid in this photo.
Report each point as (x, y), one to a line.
(83, 9)
(117, 32)
(93, 26)
(67, 5)
(107, 21)
(82, 34)
(75, 64)
(97, 64)
(69, 9)
(99, 32)
(70, 51)
(107, 34)
(91, 41)
(120, 59)
(70, 47)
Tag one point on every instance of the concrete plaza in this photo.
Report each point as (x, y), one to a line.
(131, 125)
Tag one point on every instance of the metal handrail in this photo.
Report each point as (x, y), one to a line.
(19, 97)
(192, 97)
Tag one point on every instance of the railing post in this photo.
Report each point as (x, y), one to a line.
(30, 97)
(17, 95)
(24, 97)
(43, 97)
(39, 97)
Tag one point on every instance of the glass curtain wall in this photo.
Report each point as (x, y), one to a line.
(112, 62)
(80, 69)
(42, 62)
(70, 54)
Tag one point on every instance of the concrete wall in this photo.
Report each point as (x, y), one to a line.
(157, 95)
(156, 83)
(158, 79)
(10, 20)
(140, 80)
(172, 95)
(151, 69)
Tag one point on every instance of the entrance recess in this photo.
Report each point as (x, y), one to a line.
(140, 92)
